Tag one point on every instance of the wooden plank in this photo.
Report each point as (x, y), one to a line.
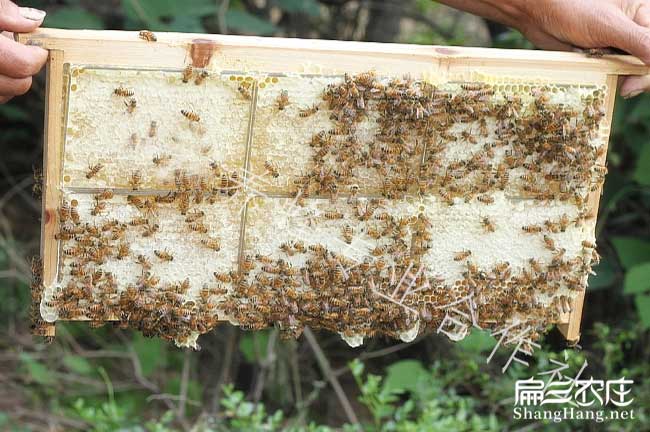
(571, 326)
(121, 48)
(52, 160)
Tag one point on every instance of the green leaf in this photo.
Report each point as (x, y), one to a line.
(477, 341)
(14, 113)
(150, 353)
(74, 18)
(641, 110)
(308, 7)
(253, 345)
(631, 250)
(604, 277)
(404, 375)
(637, 279)
(642, 172)
(642, 302)
(186, 24)
(152, 12)
(36, 371)
(77, 364)
(244, 22)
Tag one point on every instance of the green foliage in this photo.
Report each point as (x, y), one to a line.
(77, 364)
(151, 353)
(72, 17)
(253, 345)
(247, 416)
(244, 22)
(637, 279)
(36, 371)
(307, 7)
(642, 171)
(631, 251)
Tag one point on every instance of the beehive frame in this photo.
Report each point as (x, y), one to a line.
(109, 49)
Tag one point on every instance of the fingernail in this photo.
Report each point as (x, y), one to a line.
(632, 94)
(32, 14)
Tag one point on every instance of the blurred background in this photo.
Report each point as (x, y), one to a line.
(109, 379)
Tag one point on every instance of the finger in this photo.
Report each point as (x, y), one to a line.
(635, 85)
(19, 19)
(20, 61)
(544, 40)
(14, 86)
(5, 99)
(617, 30)
(642, 16)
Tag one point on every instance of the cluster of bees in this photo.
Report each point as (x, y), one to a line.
(527, 147)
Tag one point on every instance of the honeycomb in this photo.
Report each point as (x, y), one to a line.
(365, 205)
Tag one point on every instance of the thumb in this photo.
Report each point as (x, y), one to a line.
(19, 19)
(630, 37)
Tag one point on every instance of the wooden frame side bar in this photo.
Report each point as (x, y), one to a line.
(52, 155)
(571, 327)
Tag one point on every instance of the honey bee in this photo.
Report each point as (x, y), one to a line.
(462, 255)
(331, 215)
(223, 277)
(307, 112)
(247, 263)
(299, 246)
(272, 169)
(123, 251)
(201, 77)
(134, 140)
(143, 261)
(595, 52)
(64, 211)
(244, 91)
(123, 92)
(161, 159)
(467, 136)
(164, 255)
(472, 86)
(488, 225)
(107, 194)
(482, 128)
(187, 73)
(147, 36)
(74, 215)
(194, 216)
(532, 229)
(198, 227)
(191, 115)
(485, 199)
(211, 243)
(98, 207)
(549, 243)
(93, 170)
(135, 180)
(535, 265)
(287, 248)
(588, 244)
(153, 128)
(150, 230)
(348, 232)
(283, 100)
(131, 105)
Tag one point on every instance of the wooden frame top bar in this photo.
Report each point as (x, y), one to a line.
(92, 47)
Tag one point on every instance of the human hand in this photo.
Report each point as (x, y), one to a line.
(622, 24)
(18, 63)
(567, 24)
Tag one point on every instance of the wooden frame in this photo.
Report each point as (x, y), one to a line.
(277, 55)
